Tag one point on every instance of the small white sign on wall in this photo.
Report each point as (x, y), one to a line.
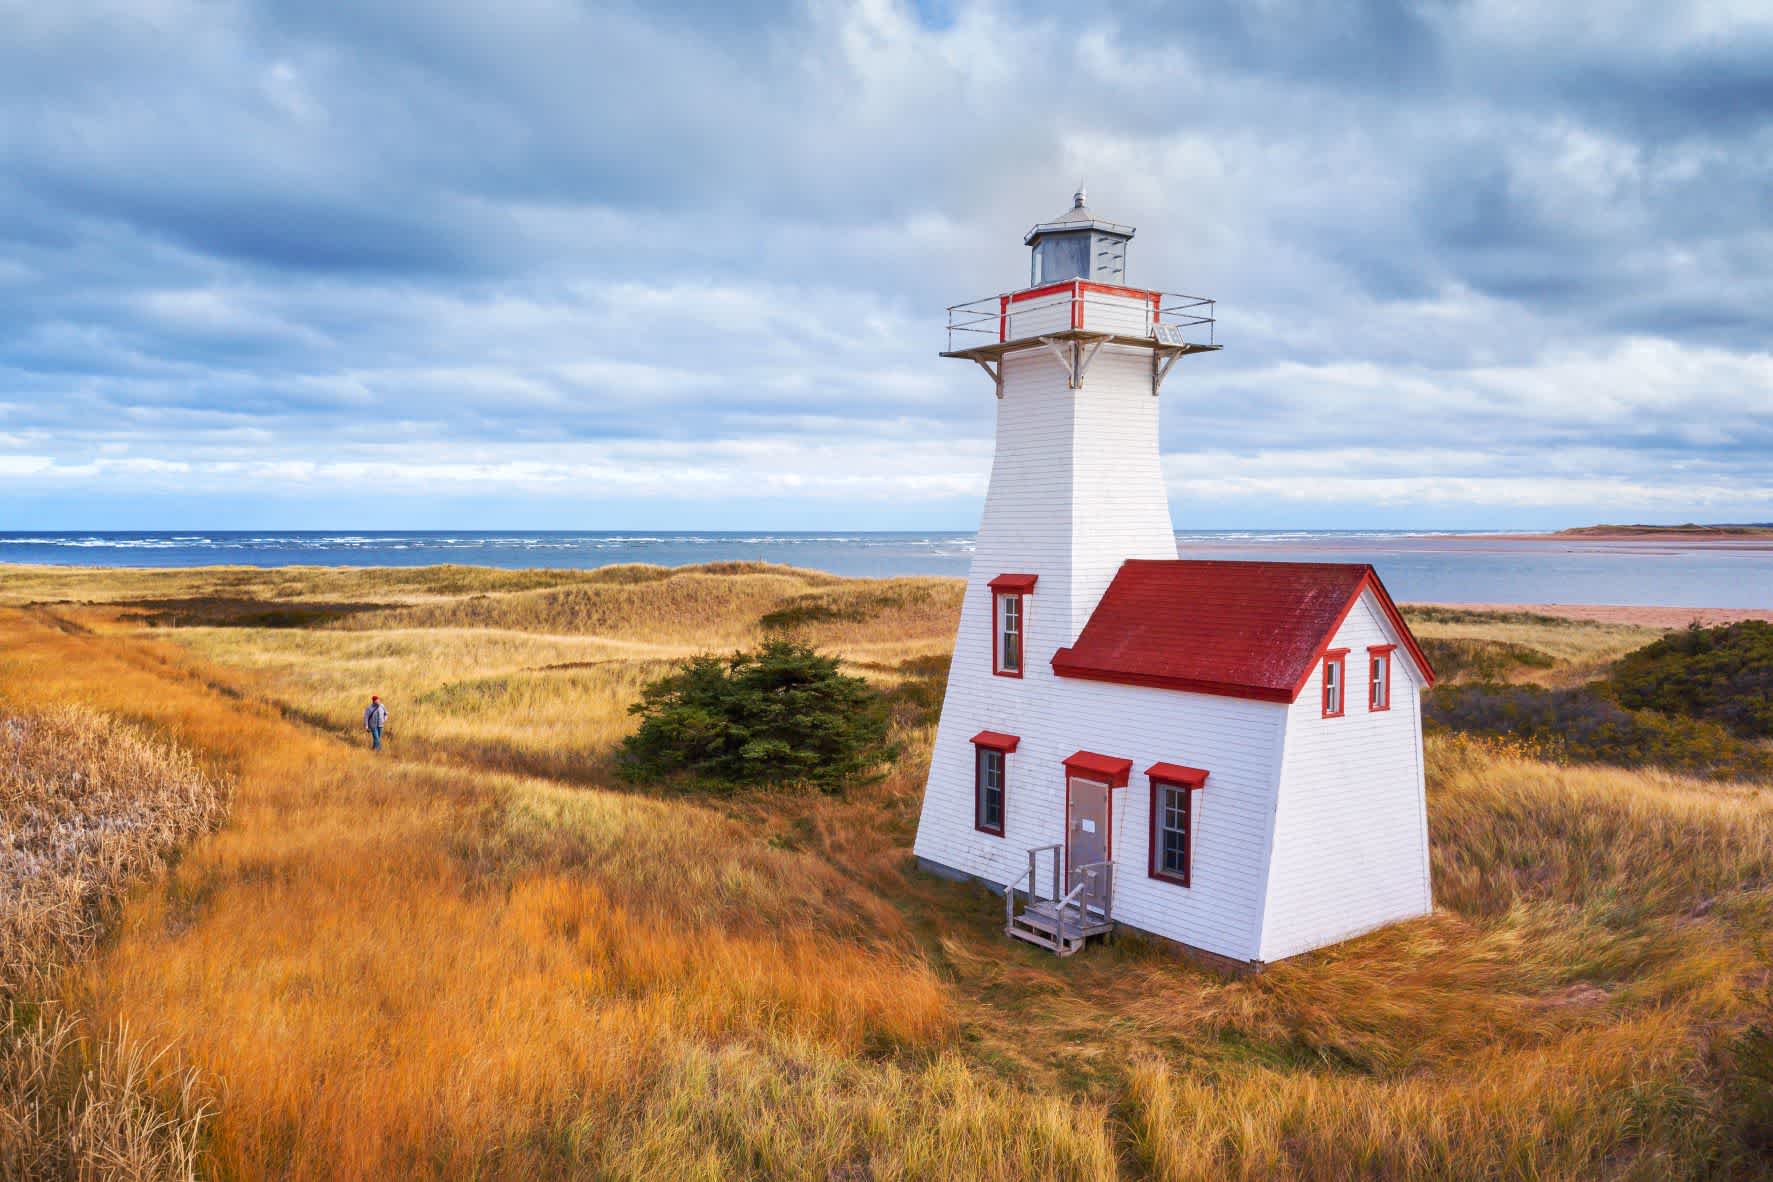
(1089, 826)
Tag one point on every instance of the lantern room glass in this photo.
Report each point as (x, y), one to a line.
(1059, 257)
(1079, 254)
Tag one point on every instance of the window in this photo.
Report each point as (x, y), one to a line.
(1172, 820)
(990, 759)
(1009, 623)
(1335, 675)
(988, 788)
(1379, 677)
(1009, 634)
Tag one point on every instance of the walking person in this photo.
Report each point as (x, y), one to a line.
(375, 717)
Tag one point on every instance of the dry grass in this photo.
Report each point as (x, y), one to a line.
(1581, 649)
(94, 1110)
(87, 809)
(428, 966)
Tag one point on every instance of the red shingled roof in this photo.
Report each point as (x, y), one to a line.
(1242, 629)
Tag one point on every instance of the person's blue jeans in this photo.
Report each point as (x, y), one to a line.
(375, 738)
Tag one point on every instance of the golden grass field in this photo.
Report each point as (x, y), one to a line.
(482, 956)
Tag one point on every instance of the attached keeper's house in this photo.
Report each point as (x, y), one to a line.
(1226, 754)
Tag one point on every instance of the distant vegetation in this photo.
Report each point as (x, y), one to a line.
(1585, 725)
(1721, 674)
(1482, 660)
(1694, 701)
(1690, 529)
(781, 715)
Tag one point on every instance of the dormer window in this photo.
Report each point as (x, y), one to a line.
(1379, 676)
(1009, 623)
(1335, 682)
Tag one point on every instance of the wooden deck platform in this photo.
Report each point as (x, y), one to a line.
(996, 349)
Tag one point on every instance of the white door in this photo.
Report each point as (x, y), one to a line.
(1086, 829)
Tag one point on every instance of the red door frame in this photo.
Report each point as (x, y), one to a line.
(1107, 771)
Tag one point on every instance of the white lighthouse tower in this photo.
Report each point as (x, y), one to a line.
(1086, 647)
(1077, 360)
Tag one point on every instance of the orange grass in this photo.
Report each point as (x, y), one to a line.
(374, 1001)
(416, 968)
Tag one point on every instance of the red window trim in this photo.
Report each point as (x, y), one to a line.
(1337, 656)
(1189, 780)
(1014, 587)
(1002, 744)
(1180, 774)
(1379, 650)
(997, 741)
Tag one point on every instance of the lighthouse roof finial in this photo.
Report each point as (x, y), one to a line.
(1078, 217)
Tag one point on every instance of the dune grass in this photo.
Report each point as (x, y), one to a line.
(434, 965)
(1517, 644)
(87, 808)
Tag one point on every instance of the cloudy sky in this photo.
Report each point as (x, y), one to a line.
(545, 263)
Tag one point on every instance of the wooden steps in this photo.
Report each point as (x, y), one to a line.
(1062, 930)
(1060, 923)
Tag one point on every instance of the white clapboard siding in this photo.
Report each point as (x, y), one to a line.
(1039, 314)
(1236, 740)
(1351, 830)
(1128, 315)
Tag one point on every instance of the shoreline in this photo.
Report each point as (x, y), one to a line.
(1642, 615)
(1697, 540)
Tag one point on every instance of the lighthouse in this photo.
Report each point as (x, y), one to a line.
(1077, 361)
(1123, 732)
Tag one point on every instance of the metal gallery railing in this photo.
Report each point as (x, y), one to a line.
(1170, 317)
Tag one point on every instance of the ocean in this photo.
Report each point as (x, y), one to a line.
(1416, 566)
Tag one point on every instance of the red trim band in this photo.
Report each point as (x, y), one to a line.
(1020, 584)
(1064, 667)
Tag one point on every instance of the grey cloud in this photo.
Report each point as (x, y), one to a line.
(264, 229)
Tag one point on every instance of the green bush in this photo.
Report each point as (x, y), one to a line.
(781, 715)
(1722, 674)
(1751, 1062)
(1586, 726)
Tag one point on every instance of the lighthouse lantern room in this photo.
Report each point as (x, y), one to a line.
(1078, 301)
(1224, 754)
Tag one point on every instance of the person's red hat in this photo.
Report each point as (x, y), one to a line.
(375, 697)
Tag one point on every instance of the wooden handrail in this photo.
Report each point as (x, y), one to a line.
(1009, 898)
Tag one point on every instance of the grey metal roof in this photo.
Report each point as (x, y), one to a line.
(1078, 217)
